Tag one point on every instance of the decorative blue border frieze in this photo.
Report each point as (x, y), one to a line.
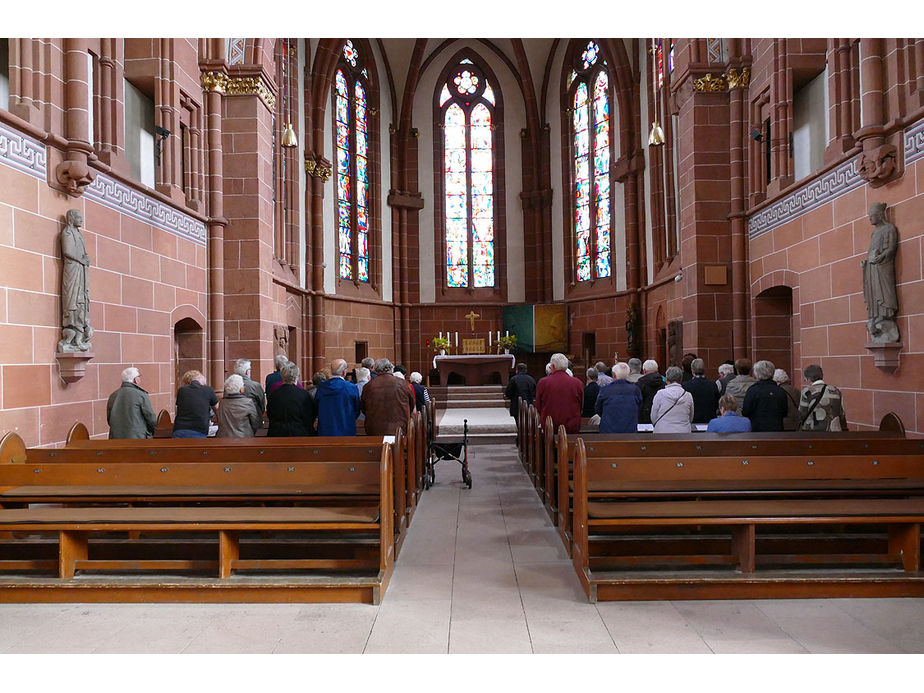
(129, 201)
(914, 142)
(22, 153)
(820, 191)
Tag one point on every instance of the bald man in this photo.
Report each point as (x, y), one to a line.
(338, 403)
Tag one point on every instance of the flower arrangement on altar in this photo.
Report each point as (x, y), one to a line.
(506, 343)
(440, 344)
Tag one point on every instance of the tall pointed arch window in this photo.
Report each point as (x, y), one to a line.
(352, 169)
(467, 119)
(589, 95)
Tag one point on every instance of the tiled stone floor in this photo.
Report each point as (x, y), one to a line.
(481, 571)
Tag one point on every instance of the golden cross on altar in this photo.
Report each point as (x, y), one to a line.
(471, 316)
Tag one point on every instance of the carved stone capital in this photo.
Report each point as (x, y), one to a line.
(738, 80)
(878, 165)
(75, 176)
(407, 200)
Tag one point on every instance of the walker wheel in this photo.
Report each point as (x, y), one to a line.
(467, 477)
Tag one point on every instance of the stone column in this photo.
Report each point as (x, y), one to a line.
(877, 163)
(74, 173)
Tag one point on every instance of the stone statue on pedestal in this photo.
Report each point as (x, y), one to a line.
(879, 278)
(76, 332)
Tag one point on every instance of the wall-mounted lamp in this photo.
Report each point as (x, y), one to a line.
(756, 135)
(162, 134)
(657, 134)
(289, 139)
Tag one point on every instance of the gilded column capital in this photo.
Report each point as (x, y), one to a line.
(214, 81)
(323, 172)
(310, 166)
(738, 80)
(709, 84)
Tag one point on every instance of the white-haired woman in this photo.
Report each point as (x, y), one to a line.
(421, 395)
(237, 415)
(672, 407)
(791, 420)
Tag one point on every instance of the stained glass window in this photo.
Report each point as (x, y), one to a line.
(660, 55)
(590, 143)
(467, 102)
(351, 115)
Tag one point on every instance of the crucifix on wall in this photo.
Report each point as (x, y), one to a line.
(471, 317)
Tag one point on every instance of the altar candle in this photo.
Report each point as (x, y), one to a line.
(507, 334)
(498, 335)
(489, 339)
(457, 340)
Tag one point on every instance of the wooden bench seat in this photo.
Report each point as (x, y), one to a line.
(323, 509)
(832, 504)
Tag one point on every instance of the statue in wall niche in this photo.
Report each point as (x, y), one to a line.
(75, 287)
(879, 277)
(281, 337)
(632, 330)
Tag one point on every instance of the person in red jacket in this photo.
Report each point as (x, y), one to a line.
(560, 396)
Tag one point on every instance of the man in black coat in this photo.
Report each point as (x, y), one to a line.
(521, 385)
(649, 384)
(591, 390)
(705, 393)
(765, 402)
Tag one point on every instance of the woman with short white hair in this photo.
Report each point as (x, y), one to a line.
(421, 395)
(237, 415)
(672, 407)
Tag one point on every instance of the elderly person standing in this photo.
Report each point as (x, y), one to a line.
(618, 403)
(821, 406)
(421, 395)
(129, 412)
(290, 409)
(363, 376)
(764, 402)
(194, 402)
(705, 393)
(386, 401)
(738, 386)
(650, 383)
(635, 370)
(560, 396)
(276, 376)
(237, 415)
(591, 391)
(726, 373)
(672, 407)
(791, 420)
(602, 378)
(338, 403)
(252, 389)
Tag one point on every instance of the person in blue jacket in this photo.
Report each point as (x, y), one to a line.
(338, 403)
(618, 403)
(729, 421)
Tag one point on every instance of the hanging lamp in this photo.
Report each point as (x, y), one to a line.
(289, 138)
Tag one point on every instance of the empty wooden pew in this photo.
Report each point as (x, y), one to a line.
(827, 516)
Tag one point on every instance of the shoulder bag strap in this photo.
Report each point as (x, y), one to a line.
(814, 404)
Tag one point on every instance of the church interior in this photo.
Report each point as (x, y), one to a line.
(328, 198)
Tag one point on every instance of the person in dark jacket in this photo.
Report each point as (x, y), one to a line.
(129, 412)
(521, 385)
(290, 409)
(338, 403)
(421, 395)
(591, 391)
(765, 402)
(705, 393)
(650, 382)
(276, 376)
(386, 401)
(194, 402)
(618, 403)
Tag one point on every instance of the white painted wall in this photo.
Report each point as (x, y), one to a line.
(514, 121)
(645, 63)
(139, 134)
(302, 176)
(5, 74)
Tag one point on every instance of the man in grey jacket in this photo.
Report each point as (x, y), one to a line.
(252, 389)
(129, 411)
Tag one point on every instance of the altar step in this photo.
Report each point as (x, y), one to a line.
(474, 397)
(486, 426)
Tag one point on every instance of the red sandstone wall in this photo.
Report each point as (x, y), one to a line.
(818, 255)
(347, 322)
(140, 276)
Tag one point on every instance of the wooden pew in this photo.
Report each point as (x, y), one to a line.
(697, 444)
(823, 516)
(332, 516)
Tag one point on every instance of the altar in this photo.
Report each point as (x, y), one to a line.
(475, 368)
